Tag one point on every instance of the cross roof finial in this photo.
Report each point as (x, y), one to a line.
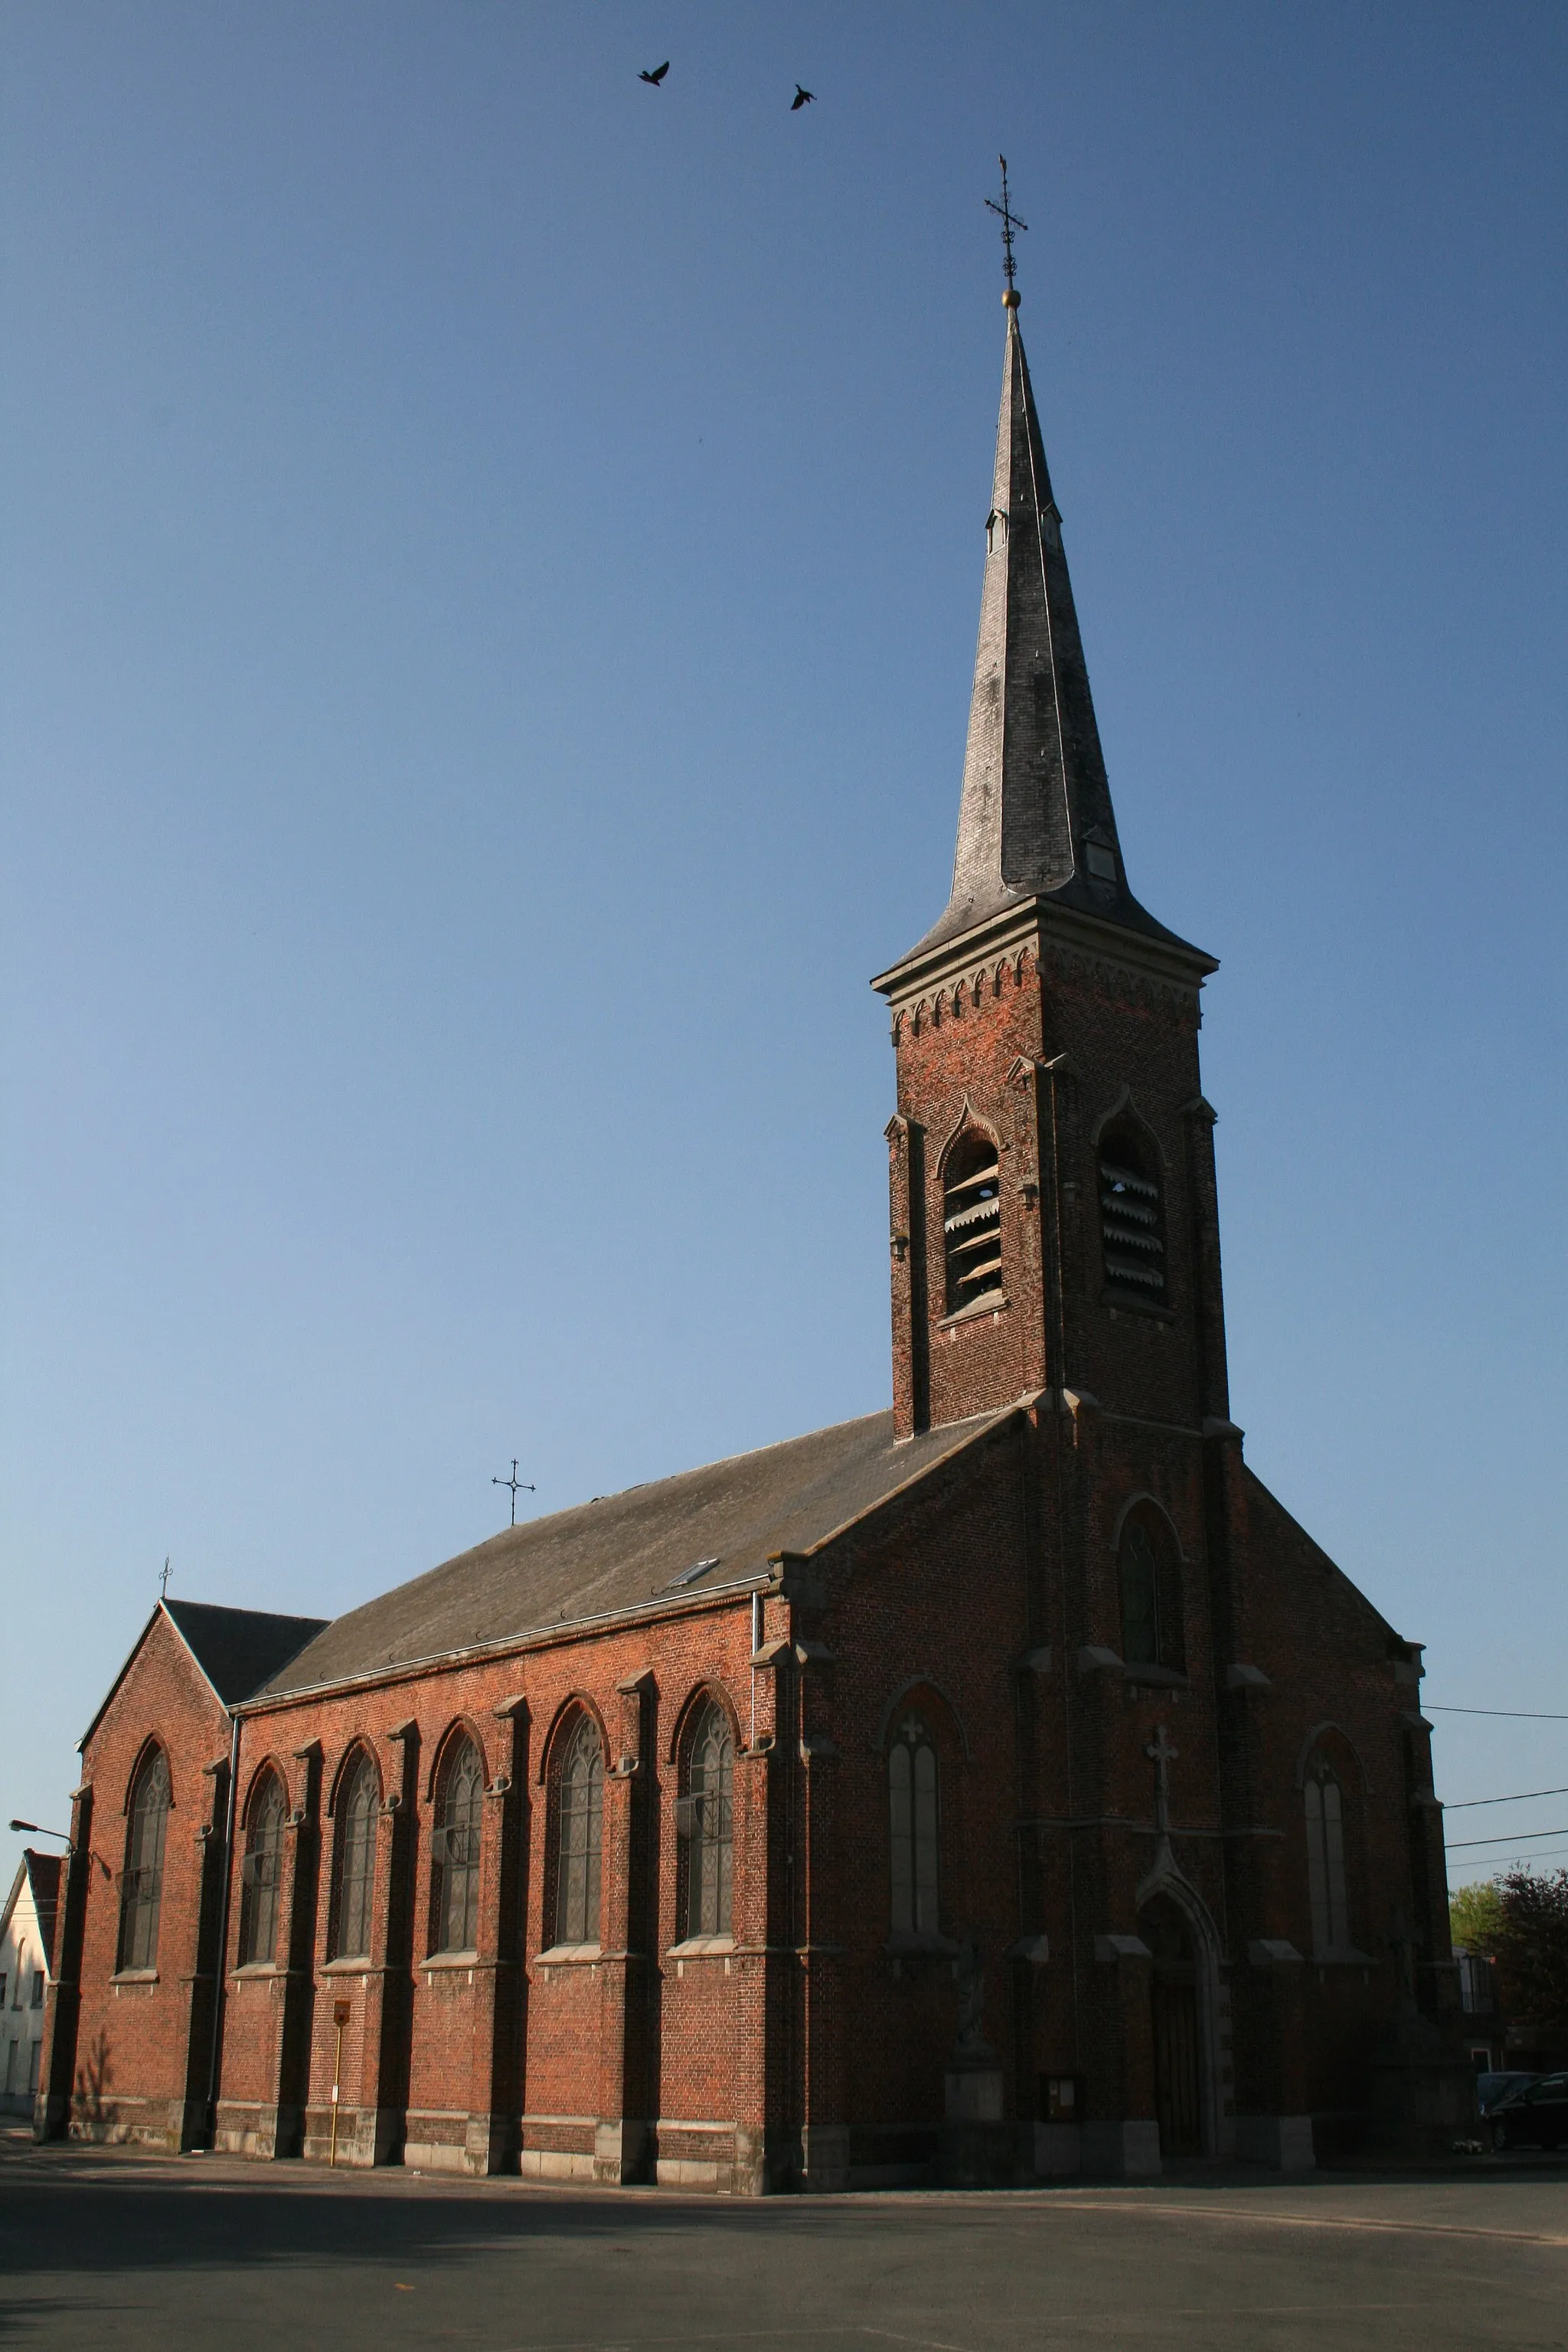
(514, 1486)
(1010, 221)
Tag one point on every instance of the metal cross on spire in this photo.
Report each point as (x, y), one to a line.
(1010, 221)
(163, 1580)
(514, 1486)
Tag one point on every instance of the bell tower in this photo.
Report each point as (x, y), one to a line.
(1053, 1215)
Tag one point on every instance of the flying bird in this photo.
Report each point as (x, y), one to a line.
(802, 98)
(656, 75)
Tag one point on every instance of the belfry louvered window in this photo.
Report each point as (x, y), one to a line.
(1131, 1216)
(972, 1222)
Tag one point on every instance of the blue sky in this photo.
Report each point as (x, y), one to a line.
(492, 557)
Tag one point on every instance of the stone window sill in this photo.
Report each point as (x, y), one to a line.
(450, 1961)
(133, 1976)
(569, 1955)
(1127, 1302)
(994, 1302)
(1343, 1955)
(348, 1964)
(261, 1969)
(1153, 1677)
(698, 1947)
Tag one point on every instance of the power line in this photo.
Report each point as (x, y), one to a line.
(1525, 1838)
(1552, 1854)
(1514, 1714)
(1523, 1798)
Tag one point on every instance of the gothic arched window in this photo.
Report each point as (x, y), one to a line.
(579, 1835)
(456, 1872)
(1326, 1884)
(706, 1818)
(260, 1873)
(1151, 1630)
(359, 1807)
(141, 1885)
(972, 1221)
(1132, 1215)
(912, 1821)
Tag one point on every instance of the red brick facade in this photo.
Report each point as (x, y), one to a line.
(1176, 1889)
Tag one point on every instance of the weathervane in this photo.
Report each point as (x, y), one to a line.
(514, 1486)
(1010, 221)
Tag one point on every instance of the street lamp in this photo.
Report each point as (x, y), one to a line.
(32, 1828)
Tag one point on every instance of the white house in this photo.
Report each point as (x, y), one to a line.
(27, 1940)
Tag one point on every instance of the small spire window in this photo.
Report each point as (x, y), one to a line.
(1131, 1216)
(1100, 854)
(972, 1222)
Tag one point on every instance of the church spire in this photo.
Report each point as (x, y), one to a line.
(1036, 818)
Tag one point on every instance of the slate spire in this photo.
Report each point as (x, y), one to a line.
(1036, 818)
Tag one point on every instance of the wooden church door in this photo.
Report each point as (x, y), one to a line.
(1174, 1993)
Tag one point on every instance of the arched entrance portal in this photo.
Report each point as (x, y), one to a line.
(1174, 1993)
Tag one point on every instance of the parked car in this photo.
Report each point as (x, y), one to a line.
(1492, 2089)
(1536, 2116)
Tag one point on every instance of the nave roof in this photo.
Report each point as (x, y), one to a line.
(650, 1546)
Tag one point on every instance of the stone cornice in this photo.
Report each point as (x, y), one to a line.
(1038, 927)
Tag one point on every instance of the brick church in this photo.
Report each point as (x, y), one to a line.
(1000, 1787)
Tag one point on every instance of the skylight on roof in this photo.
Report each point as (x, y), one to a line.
(691, 1575)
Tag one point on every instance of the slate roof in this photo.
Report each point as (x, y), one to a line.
(236, 1649)
(239, 1649)
(44, 1872)
(1035, 819)
(624, 1552)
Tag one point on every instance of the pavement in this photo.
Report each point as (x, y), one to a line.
(103, 2247)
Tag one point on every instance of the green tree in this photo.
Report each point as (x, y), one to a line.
(1531, 1947)
(1475, 1916)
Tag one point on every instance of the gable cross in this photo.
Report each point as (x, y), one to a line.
(163, 1580)
(1163, 1755)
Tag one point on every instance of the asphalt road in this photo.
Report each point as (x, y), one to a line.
(112, 2249)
